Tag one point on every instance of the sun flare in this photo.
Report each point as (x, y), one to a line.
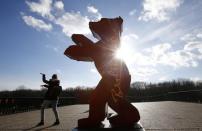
(124, 53)
(120, 53)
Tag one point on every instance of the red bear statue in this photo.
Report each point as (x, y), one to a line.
(112, 88)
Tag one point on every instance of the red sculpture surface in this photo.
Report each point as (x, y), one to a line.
(115, 81)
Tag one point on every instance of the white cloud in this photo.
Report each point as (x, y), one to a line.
(159, 10)
(70, 22)
(94, 12)
(58, 71)
(132, 12)
(129, 37)
(43, 8)
(37, 23)
(73, 23)
(143, 60)
(92, 9)
(151, 56)
(59, 5)
(179, 58)
(54, 48)
(188, 37)
(158, 50)
(162, 32)
(163, 55)
(163, 78)
(199, 35)
(145, 71)
(194, 45)
(195, 79)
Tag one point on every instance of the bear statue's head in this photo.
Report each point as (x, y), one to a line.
(108, 30)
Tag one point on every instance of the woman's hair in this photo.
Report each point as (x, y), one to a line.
(54, 76)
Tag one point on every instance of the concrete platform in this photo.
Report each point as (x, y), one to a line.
(155, 116)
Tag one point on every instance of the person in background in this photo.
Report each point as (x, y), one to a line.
(51, 97)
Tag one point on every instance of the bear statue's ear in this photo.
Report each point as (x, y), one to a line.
(120, 20)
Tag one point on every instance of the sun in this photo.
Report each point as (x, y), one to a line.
(124, 53)
(121, 54)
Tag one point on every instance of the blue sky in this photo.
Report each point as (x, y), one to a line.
(161, 40)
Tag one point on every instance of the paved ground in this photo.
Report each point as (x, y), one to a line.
(158, 116)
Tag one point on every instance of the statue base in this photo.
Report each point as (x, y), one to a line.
(105, 125)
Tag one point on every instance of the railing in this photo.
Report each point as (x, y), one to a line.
(187, 95)
(14, 105)
(23, 104)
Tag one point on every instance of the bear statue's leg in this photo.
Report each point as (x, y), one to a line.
(97, 106)
(127, 114)
(98, 101)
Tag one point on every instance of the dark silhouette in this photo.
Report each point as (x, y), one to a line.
(23, 100)
(113, 87)
(51, 97)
